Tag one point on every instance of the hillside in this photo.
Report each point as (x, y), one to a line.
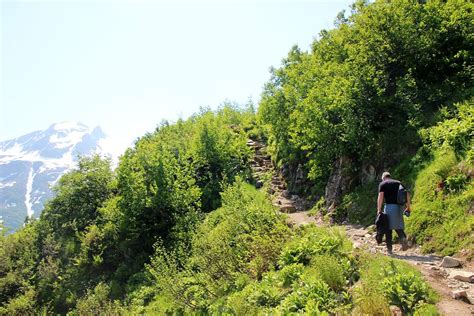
(190, 221)
(31, 164)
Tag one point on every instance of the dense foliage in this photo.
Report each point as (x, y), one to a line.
(96, 234)
(177, 228)
(444, 187)
(367, 86)
(246, 261)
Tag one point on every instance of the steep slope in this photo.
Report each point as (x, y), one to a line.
(31, 164)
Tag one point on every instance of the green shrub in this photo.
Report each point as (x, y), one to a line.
(290, 274)
(236, 244)
(328, 269)
(426, 310)
(406, 291)
(298, 251)
(313, 241)
(457, 182)
(22, 304)
(310, 293)
(266, 293)
(441, 220)
(385, 282)
(97, 302)
(370, 301)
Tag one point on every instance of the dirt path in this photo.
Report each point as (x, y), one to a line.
(441, 279)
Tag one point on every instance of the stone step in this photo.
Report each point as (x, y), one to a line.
(287, 208)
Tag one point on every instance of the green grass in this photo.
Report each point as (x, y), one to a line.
(442, 219)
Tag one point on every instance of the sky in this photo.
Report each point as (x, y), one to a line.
(128, 65)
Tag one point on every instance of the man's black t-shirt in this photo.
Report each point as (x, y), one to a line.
(389, 188)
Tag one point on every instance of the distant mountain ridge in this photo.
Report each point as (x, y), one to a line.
(32, 163)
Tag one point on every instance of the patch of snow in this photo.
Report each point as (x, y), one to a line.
(14, 150)
(68, 126)
(29, 187)
(69, 139)
(24, 156)
(53, 183)
(7, 184)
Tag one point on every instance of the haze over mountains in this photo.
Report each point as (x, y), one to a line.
(31, 164)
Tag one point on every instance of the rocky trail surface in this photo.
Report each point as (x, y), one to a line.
(451, 278)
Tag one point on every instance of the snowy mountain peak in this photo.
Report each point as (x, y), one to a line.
(32, 163)
(68, 126)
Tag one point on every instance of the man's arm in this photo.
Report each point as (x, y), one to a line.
(408, 202)
(380, 202)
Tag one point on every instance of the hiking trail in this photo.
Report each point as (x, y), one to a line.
(448, 282)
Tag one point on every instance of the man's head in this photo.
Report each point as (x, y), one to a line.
(386, 175)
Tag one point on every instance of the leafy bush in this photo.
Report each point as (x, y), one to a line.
(385, 282)
(314, 292)
(406, 291)
(290, 274)
(455, 129)
(96, 302)
(441, 219)
(366, 87)
(312, 241)
(328, 269)
(426, 310)
(242, 238)
(266, 293)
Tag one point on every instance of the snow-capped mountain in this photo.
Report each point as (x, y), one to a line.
(31, 164)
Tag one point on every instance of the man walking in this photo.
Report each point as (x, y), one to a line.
(388, 192)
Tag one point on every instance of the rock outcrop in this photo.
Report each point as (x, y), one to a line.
(339, 183)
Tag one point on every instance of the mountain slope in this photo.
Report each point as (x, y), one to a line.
(31, 164)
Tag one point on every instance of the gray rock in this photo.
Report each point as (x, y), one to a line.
(395, 310)
(287, 208)
(368, 174)
(450, 262)
(371, 228)
(463, 276)
(358, 233)
(339, 182)
(461, 295)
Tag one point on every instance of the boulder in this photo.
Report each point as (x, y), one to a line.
(368, 174)
(464, 276)
(287, 208)
(371, 229)
(450, 262)
(358, 233)
(395, 310)
(461, 295)
(339, 182)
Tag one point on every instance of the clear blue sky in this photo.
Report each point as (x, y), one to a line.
(127, 65)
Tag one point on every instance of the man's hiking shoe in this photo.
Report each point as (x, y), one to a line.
(390, 252)
(404, 243)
